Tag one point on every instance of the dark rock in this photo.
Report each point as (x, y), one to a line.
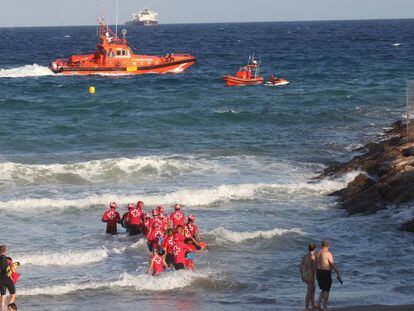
(409, 152)
(393, 181)
(408, 226)
(374, 148)
(384, 169)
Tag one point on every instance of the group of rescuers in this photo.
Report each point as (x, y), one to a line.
(171, 239)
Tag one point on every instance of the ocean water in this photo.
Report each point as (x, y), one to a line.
(242, 160)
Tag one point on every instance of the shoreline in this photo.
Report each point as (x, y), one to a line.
(377, 308)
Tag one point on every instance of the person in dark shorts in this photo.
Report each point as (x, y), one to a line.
(179, 251)
(112, 218)
(324, 265)
(6, 282)
(168, 245)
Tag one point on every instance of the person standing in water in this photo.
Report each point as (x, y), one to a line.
(112, 218)
(324, 265)
(177, 217)
(307, 272)
(135, 217)
(5, 281)
(157, 263)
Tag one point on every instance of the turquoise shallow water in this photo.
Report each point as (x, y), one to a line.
(240, 159)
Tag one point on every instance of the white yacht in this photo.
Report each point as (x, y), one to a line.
(145, 17)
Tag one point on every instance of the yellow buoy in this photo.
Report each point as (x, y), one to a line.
(92, 90)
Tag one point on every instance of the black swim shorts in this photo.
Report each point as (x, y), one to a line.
(169, 259)
(7, 283)
(134, 229)
(179, 266)
(324, 278)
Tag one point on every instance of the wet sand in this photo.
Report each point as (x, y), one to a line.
(377, 308)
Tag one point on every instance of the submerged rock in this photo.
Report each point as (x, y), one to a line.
(408, 226)
(387, 174)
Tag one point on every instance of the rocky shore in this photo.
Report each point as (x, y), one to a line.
(386, 178)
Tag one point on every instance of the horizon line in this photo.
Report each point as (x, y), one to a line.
(232, 22)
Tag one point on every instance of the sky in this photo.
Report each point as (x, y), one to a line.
(85, 12)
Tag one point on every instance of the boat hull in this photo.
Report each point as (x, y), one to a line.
(235, 81)
(139, 23)
(178, 66)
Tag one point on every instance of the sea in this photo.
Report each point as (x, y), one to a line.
(242, 160)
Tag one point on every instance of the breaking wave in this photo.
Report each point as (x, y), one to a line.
(163, 282)
(223, 235)
(189, 197)
(69, 258)
(26, 71)
(100, 170)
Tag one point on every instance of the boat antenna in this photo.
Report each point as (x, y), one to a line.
(116, 19)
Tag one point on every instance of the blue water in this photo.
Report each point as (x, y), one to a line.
(240, 159)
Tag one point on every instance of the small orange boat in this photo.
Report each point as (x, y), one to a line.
(247, 75)
(114, 56)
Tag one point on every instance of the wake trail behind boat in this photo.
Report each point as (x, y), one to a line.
(34, 70)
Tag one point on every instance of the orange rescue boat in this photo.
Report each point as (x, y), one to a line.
(114, 56)
(247, 75)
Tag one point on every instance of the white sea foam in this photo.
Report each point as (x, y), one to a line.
(141, 243)
(101, 170)
(403, 213)
(186, 196)
(163, 282)
(223, 235)
(25, 71)
(67, 258)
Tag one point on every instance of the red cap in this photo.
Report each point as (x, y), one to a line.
(191, 217)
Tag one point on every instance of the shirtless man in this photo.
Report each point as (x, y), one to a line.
(324, 265)
(307, 271)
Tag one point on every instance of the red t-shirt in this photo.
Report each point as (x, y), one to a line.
(155, 234)
(135, 216)
(157, 221)
(168, 244)
(146, 226)
(179, 250)
(157, 264)
(165, 222)
(182, 237)
(111, 217)
(190, 230)
(178, 218)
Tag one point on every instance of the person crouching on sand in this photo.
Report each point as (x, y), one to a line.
(324, 265)
(307, 271)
